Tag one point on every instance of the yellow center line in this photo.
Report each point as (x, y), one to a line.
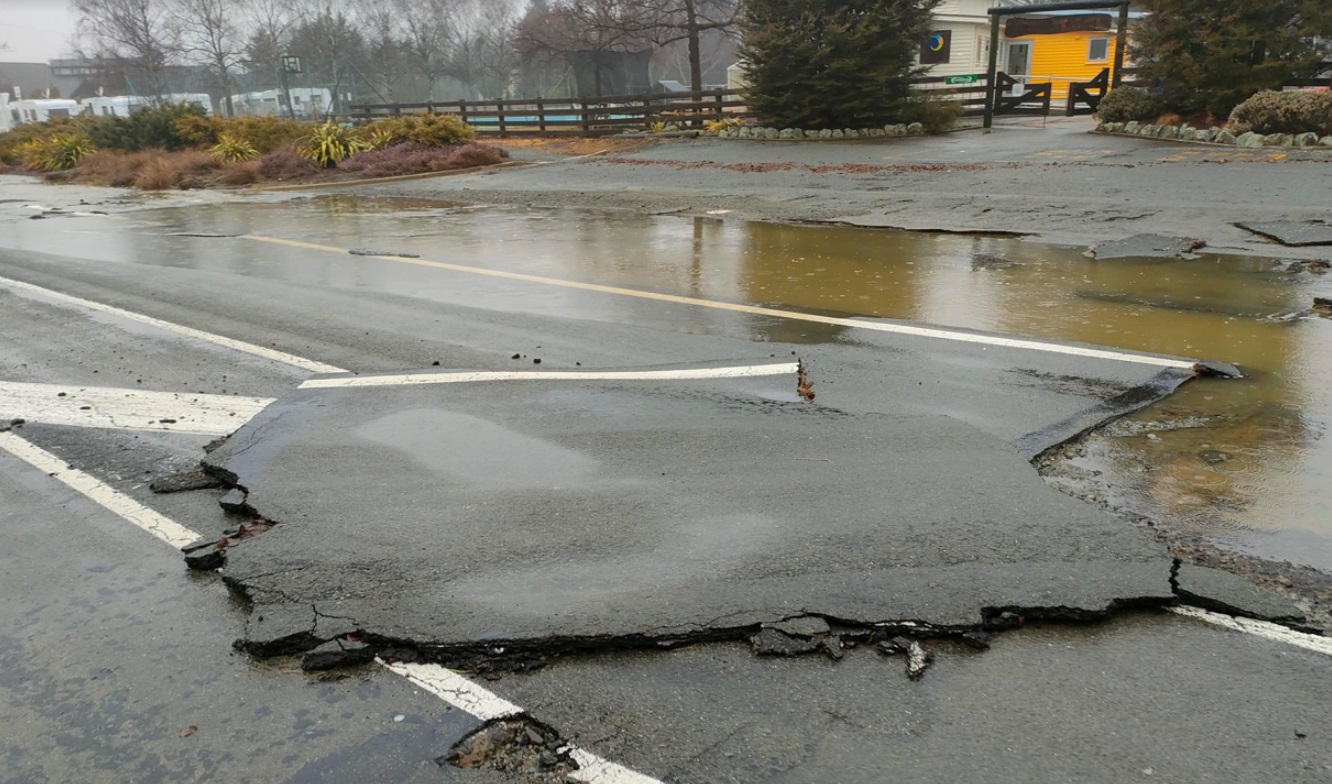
(875, 326)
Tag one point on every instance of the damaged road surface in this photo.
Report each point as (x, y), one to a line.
(474, 516)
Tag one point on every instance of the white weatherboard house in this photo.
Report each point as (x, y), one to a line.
(962, 45)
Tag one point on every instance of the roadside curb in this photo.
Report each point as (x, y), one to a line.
(311, 186)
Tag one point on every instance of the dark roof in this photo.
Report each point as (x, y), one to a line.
(33, 78)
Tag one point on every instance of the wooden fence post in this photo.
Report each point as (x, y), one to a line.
(647, 113)
(541, 114)
(499, 111)
(462, 111)
(587, 125)
(721, 109)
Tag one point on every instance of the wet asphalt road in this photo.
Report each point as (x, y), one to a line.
(115, 648)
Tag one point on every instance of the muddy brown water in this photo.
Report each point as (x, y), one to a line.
(1244, 463)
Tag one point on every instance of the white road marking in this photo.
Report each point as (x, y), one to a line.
(488, 706)
(236, 345)
(439, 681)
(1271, 631)
(456, 690)
(398, 379)
(133, 409)
(112, 500)
(876, 326)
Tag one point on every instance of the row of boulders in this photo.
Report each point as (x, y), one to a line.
(900, 129)
(1188, 133)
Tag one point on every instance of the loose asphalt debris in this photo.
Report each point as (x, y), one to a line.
(196, 479)
(518, 746)
(369, 252)
(1147, 246)
(918, 657)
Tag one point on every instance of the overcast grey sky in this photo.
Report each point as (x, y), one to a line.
(34, 31)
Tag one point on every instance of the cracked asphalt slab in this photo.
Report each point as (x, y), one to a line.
(558, 515)
(121, 669)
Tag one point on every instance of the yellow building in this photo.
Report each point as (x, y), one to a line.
(1063, 58)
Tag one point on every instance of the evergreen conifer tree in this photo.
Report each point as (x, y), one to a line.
(1210, 55)
(832, 63)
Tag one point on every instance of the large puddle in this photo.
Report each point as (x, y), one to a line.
(1243, 462)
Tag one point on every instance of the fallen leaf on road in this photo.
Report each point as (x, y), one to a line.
(188, 731)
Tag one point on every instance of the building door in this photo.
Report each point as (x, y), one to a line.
(1019, 64)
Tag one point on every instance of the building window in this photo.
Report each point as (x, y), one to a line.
(1098, 50)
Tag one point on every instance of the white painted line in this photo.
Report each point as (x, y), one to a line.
(875, 326)
(133, 409)
(400, 379)
(488, 706)
(595, 770)
(439, 681)
(163, 528)
(1271, 631)
(236, 345)
(456, 690)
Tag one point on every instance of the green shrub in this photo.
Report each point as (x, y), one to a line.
(267, 133)
(58, 153)
(150, 128)
(431, 130)
(230, 149)
(196, 131)
(937, 114)
(12, 142)
(1284, 112)
(331, 143)
(1129, 103)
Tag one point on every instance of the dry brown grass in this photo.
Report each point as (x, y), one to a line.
(240, 173)
(572, 145)
(159, 174)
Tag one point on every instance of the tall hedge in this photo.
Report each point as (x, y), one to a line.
(832, 63)
(1209, 55)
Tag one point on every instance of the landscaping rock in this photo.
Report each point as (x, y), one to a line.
(1250, 140)
(1277, 140)
(1131, 126)
(1188, 134)
(825, 134)
(877, 133)
(1306, 140)
(1326, 141)
(1224, 137)
(852, 133)
(837, 133)
(915, 129)
(787, 133)
(1147, 130)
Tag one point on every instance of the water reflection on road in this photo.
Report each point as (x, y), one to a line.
(1256, 474)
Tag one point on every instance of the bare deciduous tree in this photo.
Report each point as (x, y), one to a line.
(428, 36)
(210, 33)
(139, 33)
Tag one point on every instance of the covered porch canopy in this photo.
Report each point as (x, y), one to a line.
(997, 15)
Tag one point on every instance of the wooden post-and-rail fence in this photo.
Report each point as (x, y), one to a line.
(574, 116)
(614, 114)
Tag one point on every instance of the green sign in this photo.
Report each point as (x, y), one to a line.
(964, 79)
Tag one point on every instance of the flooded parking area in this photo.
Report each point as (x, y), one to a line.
(1244, 463)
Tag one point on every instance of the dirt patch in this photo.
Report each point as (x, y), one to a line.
(575, 146)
